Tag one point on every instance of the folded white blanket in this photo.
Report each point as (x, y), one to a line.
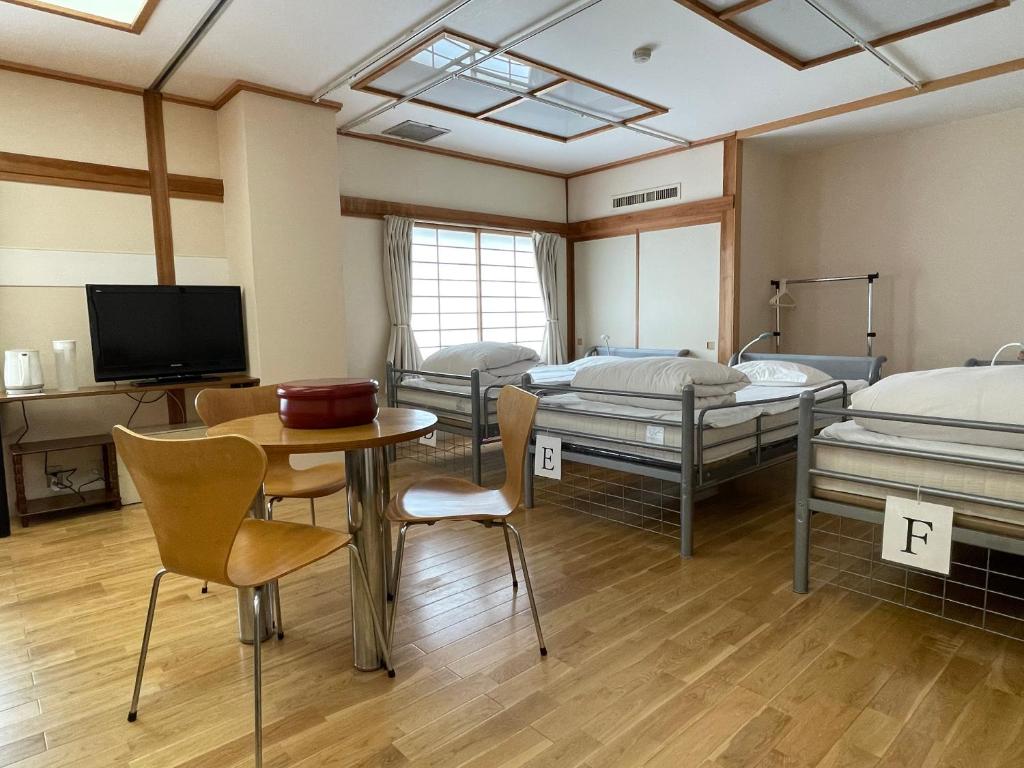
(714, 384)
(498, 363)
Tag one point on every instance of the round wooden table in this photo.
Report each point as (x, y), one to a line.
(366, 467)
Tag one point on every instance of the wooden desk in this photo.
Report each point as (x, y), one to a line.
(366, 467)
(174, 390)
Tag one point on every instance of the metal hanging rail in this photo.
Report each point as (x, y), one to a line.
(864, 44)
(398, 43)
(532, 31)
(778, 286)
(582, 112)
(198, 33)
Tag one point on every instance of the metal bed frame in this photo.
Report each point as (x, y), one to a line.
(686, 464)
(478, 425)
(807, 503)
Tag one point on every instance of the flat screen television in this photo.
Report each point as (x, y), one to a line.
(165, 332)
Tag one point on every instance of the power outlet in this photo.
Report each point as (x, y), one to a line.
(711, 345)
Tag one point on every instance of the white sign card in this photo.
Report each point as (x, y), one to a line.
(429, 439)
(655, 435)
(547, 461)
(918, 534)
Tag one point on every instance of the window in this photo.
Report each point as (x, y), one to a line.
(474, 285)
(126, 15)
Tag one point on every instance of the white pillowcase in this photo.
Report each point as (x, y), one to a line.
(713, 383)
(994, 394)
(782, 373)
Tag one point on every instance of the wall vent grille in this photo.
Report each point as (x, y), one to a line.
(647, 196)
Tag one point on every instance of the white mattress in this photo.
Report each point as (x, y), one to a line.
(455, 397)
(927, 472)
(571, 413)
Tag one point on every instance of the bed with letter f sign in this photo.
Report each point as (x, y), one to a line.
(917, 534)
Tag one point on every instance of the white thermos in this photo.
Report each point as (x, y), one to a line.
(66, 358)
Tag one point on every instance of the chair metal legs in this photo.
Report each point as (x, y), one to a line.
(506, 527)
(396, 584)
(511, 562)
(257, 674)
(133, 712)
(378, 630)
(529, 588)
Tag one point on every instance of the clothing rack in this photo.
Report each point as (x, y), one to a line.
(777, 285)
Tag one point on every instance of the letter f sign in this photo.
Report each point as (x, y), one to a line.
(911, 535)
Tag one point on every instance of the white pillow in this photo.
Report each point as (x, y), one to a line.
(659, 376)
(782, 373)
(993, 394)
(482, 355)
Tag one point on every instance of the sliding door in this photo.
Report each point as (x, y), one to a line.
(679, 289)
(605, 279)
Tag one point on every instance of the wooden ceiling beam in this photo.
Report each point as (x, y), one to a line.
(735, 10)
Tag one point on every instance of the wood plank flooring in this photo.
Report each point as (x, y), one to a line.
(654, 661)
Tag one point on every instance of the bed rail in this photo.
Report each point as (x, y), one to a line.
(806, 503)
(635, 352)
(837, 366)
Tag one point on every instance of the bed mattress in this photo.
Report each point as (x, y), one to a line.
(730, 431)
(455, 400)
(927, 472)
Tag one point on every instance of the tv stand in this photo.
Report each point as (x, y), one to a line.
(174, 390)
(170, 381)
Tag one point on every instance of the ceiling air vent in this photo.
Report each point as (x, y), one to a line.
(647, 196)
(410, 129)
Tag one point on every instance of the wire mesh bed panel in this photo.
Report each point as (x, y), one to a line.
(841, 492)
(610, 469)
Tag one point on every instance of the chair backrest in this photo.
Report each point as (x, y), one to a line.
(516, 409)
(196, 493)
(215, 406)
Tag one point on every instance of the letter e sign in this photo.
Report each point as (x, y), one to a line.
(547, 461)
(918, 534)
(429, 439)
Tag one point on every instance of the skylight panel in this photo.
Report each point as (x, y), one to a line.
(129, 15)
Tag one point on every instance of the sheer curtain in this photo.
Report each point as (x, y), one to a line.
(397, 264)
(547, 246)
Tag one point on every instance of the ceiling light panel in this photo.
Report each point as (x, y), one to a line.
(795, 27)
(876, 18)
(545, 119)
(119, 11)
(490, 91)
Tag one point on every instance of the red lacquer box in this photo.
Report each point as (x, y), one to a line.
(327, 403)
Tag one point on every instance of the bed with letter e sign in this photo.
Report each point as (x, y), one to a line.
(547, 461)
(917, 534)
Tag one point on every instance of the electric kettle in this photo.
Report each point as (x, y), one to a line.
(23, 372)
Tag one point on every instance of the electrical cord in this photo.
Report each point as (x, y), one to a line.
(24, 416)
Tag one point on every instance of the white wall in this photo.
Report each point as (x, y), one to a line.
(938, 211)
(679, 280)
(605, 277)
(698, 171)
(54, 240)
(383, 172)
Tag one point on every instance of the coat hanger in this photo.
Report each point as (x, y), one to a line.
(783, 298)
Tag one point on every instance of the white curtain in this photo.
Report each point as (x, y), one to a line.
(397, 264)
(547, 247)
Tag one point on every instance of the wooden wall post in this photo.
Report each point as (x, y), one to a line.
(160, 203)
(159, 194)
(729, 265)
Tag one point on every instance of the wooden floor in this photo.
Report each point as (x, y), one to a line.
(653, 661)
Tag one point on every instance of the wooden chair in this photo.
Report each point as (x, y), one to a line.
(197, 494)
(216, 406)
(442, 499)
(282, 481)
